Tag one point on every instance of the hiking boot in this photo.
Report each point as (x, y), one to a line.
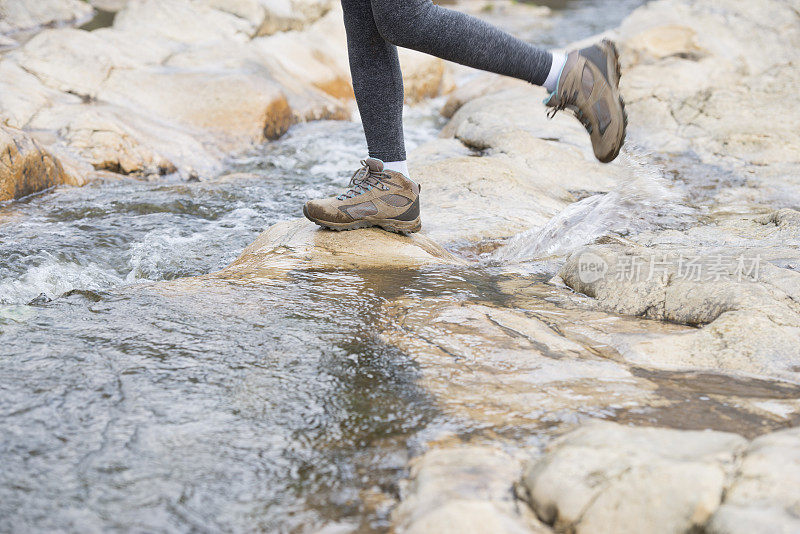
(606, 57)
(589, 87)
(376, 197)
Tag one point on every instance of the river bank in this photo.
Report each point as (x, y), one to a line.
(659, 291)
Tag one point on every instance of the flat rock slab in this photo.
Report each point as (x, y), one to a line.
(300, 244)
(502, 367)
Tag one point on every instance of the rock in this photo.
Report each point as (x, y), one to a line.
(526, 176)
(605, 477)
(7, 42)
(183, 21)
(22, 95)
(109, 5)
(765, 497)
(505, 367)
(316, 56)
(712, 95)
(300, 244)
(284, 15)
(239, 108)
(482, 85)
(123, 141)
(19, 15)
(424, 76)
(27, 168)
(463, 490)
(749, 309)
(71, 61)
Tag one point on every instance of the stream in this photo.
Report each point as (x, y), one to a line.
(272, 408)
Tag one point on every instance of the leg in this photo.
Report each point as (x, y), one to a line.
(421, 25)
(377, 82)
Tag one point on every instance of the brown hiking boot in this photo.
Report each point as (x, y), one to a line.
(589, 87)
(376, 197)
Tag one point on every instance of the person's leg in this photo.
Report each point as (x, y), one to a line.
(586, 82)
(380, 193)
(423, 26)
(377, 82)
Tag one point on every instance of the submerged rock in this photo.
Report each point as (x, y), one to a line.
(26, 167)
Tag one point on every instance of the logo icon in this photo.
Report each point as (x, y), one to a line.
(591, 267)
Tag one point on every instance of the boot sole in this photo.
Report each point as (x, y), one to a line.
(390, 225)
(618, 71)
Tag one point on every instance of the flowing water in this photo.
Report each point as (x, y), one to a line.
(271, 408)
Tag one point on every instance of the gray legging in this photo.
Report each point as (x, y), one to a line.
(376, 27)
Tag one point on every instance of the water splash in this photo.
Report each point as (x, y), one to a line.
(53, 278)
(644, 200)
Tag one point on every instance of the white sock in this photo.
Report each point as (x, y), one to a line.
(397, 166)
(559, 58)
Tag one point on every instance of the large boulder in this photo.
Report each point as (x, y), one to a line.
(238, 107)
(26, 167)
(529, 171)
(284, 15)
(182, 21)
(765, 497)
(607, 478)
(745, 305)
(124, 141)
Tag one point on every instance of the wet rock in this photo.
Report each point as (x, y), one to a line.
(463, 490)
(26, 167)
(16, 15)
(300, 244)
(605, 477)
(507, 367)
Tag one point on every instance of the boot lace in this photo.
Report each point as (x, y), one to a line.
(363, 180)
(568, 102)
